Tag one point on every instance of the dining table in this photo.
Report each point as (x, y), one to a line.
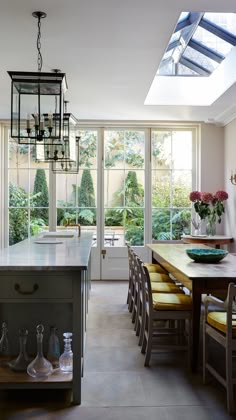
(199, 278)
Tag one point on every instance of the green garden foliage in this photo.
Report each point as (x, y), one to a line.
(86, 196)
(19, 216)
(42, 198)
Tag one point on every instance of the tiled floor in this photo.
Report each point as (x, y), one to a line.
(116, 385)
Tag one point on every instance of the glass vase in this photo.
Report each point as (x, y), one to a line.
(53, 353)
(66, 359)
(211, 227)
(4, 344)
(22, 361)
(40, 367)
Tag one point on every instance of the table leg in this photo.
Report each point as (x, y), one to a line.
(196, 299)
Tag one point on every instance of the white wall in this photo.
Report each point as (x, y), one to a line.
(230, 163)
(212, 163)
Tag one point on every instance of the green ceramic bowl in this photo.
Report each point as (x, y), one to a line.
(204, 255)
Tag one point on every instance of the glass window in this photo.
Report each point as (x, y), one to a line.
(171, 183)
(28, 193)
(76, 195)
(124, 186)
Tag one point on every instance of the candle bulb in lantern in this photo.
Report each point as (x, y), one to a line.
(42, 125)
(28, 122)
(36, 119)
(49, 120)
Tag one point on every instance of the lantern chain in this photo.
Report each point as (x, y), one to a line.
(40, 58)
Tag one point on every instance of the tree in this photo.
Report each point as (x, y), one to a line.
(86, 196)
(42, 199)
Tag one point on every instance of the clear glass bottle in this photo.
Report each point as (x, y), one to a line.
(66, 359)
(53, 353)
(4, 344)
(22, 361)
(39, 367)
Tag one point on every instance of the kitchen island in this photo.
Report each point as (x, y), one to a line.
(45, 280)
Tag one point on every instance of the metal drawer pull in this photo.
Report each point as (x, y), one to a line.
(26, 292)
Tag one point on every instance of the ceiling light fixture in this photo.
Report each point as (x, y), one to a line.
(37, 101)
(65, 150)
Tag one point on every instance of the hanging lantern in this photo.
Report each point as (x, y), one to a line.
(65, 149)
(37, 101)
(67, 166)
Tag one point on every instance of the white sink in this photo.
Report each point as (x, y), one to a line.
(63, 234)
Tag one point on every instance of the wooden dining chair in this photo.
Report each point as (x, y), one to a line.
(164, 307)
(221, 327)
(133, 295)
(131, 285)
(156, 286)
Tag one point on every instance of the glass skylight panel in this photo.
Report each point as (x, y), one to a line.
(185, 71)
(226, 21)
(212, 41)
(218, 37)
(200, 59)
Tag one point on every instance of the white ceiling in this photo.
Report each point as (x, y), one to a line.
(110, 51)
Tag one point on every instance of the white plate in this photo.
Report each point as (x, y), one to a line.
(199, 236)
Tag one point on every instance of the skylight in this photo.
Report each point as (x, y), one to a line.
(199, 43)
(199, 61)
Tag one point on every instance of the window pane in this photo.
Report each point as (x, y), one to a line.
(181, 184)
(226, 21)
(161, 149)
(161, 226)
(212, 41)
(114, 181)
(88, 149)
(18, 225)
(114, 149)
(200, 59)
(171, 183)
(182, 141)
(161, 188)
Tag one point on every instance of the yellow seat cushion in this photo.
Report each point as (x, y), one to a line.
(164, 287)
(160, 277)
(218, 320)
(155, 268)
(171, 301)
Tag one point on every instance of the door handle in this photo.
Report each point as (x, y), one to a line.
(103, 252)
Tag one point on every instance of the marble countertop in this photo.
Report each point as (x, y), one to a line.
(50, 253)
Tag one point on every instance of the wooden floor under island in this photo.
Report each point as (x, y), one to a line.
(45, 281)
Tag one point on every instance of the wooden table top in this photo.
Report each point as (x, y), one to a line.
(175, 255)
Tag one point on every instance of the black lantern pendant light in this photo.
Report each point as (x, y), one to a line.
(64, 150)
(68, 166)
(37, 101)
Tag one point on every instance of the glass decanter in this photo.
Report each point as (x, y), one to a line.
(66, 359)
(4, 344)
(22, 361)
(40, 367)
(53, 353)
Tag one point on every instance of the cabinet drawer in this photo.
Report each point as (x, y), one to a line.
(37, 286)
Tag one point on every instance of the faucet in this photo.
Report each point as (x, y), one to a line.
(69, 224)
